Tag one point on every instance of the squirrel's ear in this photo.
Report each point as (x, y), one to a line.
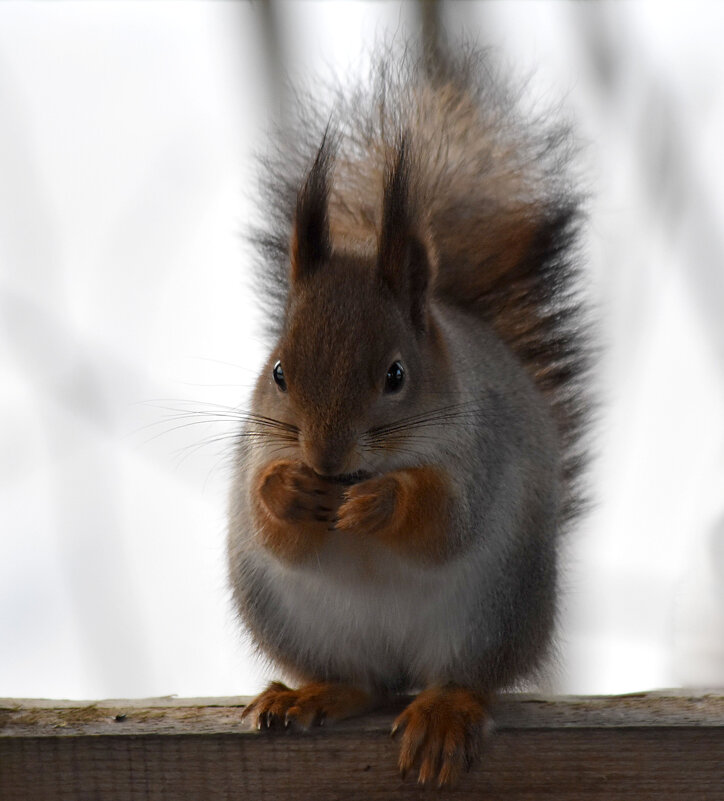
(311, 245)
(403, 257)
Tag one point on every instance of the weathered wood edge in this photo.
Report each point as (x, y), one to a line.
(194, 716)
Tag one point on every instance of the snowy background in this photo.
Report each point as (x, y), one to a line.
(127, 141)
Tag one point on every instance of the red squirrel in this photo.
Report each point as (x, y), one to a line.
(412, 451)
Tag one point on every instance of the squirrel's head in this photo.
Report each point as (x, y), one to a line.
(357, 349)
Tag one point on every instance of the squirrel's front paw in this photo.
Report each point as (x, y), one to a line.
(296, 510)
(294, 493)
(369, 506)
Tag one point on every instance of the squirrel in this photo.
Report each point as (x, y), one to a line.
(413, 449)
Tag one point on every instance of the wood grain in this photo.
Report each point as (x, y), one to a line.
(646, 746)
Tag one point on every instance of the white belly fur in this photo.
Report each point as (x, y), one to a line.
(370, 622)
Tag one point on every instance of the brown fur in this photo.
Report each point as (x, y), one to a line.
(295, 509)
(311, 705)
(441, 733)
(406, 510)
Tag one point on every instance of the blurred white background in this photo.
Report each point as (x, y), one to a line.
(127, 141)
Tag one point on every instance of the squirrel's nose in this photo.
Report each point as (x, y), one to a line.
(327, 459)
(326, 469)
(326, 465)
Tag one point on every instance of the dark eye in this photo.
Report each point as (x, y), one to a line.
(278, 374)
(395, 377)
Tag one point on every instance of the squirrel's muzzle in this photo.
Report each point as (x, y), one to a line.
(329, 456)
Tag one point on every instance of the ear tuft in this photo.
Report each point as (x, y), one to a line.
(311, 245)
(403, 258)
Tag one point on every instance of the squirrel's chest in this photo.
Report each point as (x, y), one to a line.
(383, 623)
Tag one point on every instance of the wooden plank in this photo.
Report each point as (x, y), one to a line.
(646, 746)
(171, 715)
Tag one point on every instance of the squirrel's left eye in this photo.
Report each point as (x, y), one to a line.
(395, 377)
(278, 374)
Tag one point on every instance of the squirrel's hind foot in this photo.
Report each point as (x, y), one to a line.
(311, 705)
(441, 733)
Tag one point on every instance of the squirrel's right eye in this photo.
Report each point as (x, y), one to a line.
(395, 377)
(278, 374)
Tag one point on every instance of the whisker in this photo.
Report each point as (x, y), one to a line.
(228, 414)
(452, 407)
(404, 436)
(454, 412)
(249, 433)
(190, 450)
(431, 423)
(397, 449)
(234, 438)
(170, 430)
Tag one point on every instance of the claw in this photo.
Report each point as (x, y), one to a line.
(312, 705)
(441, 734)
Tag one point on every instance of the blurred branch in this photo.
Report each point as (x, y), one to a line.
(430, 28)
